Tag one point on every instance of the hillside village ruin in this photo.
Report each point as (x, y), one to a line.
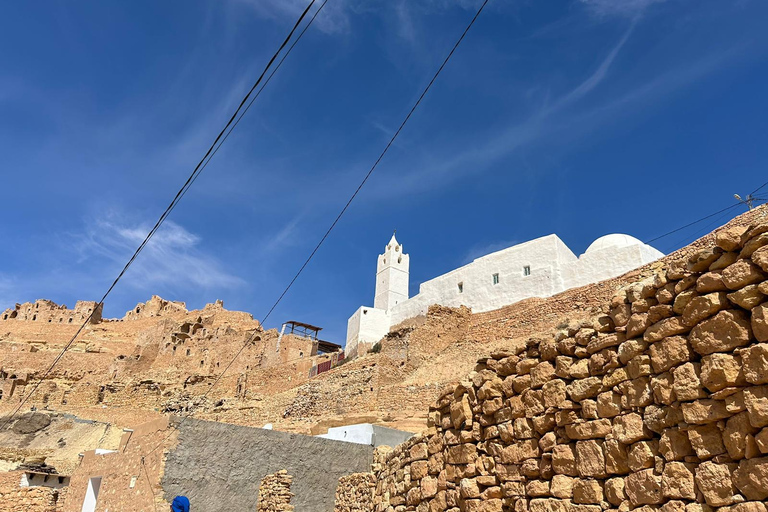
(646, 389)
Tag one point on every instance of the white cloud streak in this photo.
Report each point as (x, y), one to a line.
(622, 8)
(171, 258)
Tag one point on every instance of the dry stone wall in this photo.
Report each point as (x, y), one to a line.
(275, 493)
(27, 499)
(659, 403)
(355, 493)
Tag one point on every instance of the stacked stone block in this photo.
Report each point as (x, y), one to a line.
(659, 403)
(355, 493)
(275, 493)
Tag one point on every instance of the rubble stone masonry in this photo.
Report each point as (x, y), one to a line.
(355, 492)
(658, 403)
(275, 493)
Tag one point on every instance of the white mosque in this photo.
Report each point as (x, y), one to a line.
(538, 268)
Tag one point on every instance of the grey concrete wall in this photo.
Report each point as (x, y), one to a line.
(384, 436)
(219, 466)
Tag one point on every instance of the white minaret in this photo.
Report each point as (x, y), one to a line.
(391, 276)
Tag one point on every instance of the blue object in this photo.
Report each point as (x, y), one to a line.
(180, 504)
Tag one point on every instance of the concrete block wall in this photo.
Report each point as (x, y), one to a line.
(660, 403)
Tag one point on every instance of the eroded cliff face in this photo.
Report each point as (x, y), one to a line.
(659, 402)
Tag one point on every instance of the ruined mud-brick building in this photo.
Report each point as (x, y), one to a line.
(158, 357)
(659, 403)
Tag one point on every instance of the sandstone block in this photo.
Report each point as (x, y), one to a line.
(703, 307)
(564, 460)
(751, 478)
(748, 297)
(687, 382)
(664, 329)
(637, 324)
(590, 459)
(631, 348)
(706, 441)
(747, 506)
(614, 491)
(725, 259)
(469, 488)
(461, 412)
(682, 300)
(760, 322)
(711, 282)
(741, 274)
(537, 488)
(722, 333)
(428, 486)
(643, 488)
(587, 492)
(753, 244)
(760, 258)
(663, 389)
(736, 435)
(714, 482)
(562, 486)
(541, 374)
(730, 239)
(674, 445)
(719, 371)
(616, 458)
(702, 259)
(629, 428)
(756, 403)
(677, 481)
(584, 388)
(554, 393)
(642, 455)
(491, 505)
(549, 505)
(704, 411)
(670, 352)
(589, 429)
(761, 439)
(608, 404)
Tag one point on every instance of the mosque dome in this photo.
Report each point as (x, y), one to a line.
(612, 241)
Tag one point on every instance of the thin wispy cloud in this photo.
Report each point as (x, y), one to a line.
(173, 257)
(623, 8)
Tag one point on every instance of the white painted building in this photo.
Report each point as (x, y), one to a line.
(538, 268)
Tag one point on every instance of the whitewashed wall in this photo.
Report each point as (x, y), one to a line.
(364, 328)
(554, 268)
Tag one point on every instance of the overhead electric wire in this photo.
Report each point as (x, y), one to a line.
(692, 223)
(759, 188)
(233, 120)
(340, 214)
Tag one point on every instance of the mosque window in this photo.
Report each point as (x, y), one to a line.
(495, 278)
(461, 287)
(527, 270)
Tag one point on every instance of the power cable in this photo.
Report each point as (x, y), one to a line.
(759, 188)
(197, 170)
(341, 213)
(692, 223)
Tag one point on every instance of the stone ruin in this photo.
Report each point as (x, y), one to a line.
(43, 310)
(660, 403)
(275, 493)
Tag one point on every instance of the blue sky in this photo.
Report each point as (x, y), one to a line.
(573, 117)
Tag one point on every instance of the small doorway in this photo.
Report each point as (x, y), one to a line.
(91, 495)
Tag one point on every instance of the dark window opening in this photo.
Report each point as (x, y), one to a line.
(527, 270)
(461, 287)
(495, 278)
